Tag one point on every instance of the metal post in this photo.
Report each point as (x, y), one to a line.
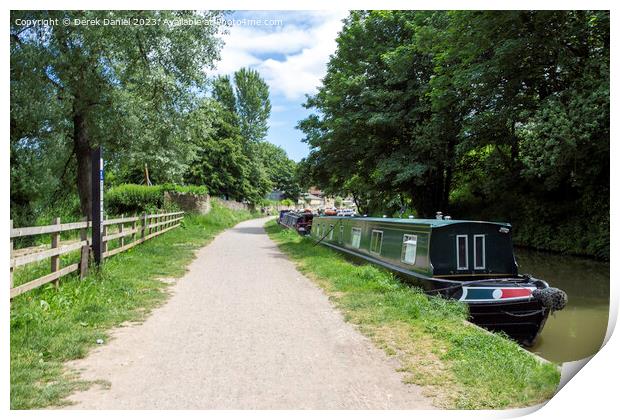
(97, 203)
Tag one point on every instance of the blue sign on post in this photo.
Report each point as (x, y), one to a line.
(97, 203)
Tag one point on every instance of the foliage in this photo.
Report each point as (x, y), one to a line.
(228, 130)
(281, 170)
(142, 93)
(253, 105)
(461, 365)
(127, 88)
(220, 163)
(52, 326)
(135, 199)
(480, 114)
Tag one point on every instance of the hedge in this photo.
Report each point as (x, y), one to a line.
(134, 199)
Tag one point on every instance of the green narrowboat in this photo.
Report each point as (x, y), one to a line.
(471, 261)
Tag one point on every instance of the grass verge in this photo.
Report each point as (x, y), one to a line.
(459, 365)
(52, 326)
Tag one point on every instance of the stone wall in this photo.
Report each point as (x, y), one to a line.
(233, 205)
(189, 202)
(202, 203)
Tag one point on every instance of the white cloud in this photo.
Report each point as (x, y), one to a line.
(277, 108)
(291, 58)
(234, 59)
(277, 123)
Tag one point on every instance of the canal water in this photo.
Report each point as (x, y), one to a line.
(579, 329)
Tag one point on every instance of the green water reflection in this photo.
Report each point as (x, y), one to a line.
(578, 330)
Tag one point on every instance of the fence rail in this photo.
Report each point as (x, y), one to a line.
(150, 226)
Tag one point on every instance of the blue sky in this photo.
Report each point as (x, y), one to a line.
(292, 59)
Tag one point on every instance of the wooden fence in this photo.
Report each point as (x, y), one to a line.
(126, 231)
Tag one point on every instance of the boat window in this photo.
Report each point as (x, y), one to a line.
(341, 239)
(376, 241)
(356, 236)
(479, 252)
(462, 253)
(410, 247)
(331, 232)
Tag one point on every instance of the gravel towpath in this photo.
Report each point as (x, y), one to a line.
(243, 329)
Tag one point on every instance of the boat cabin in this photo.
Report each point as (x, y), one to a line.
(301, 222)
(430, 247)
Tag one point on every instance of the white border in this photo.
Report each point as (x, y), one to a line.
(484, 252)
(359, 242)
(458, 260)
(380, 243)
(404, 250)
(591, 394)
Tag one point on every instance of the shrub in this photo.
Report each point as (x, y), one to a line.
(187, 189)
(132, 198)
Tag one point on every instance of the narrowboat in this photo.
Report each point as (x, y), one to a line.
(470, 261)
(281, 216)
(300, 222)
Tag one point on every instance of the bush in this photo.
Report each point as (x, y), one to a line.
(187, 189)
(132, 198)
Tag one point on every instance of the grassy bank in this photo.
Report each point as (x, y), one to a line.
(458, 365)
(50, 327)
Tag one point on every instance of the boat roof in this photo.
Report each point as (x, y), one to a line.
(427, 222)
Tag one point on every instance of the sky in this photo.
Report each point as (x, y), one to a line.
(291, 57)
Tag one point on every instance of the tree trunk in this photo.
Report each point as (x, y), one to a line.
(82, 154)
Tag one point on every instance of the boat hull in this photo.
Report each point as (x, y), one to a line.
(521, 319)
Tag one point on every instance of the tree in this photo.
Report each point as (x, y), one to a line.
(123, 87)
(220, 163)
(377, 123)
(490, 115)
(253, 105)
(248, 108)
(280, 169)
(224, 93)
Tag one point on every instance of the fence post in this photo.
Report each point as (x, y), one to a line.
(120, 230)
(55, 244)
(104, 232)
(11, 250)
(85, 250)
(144, 225)
(133, 227)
